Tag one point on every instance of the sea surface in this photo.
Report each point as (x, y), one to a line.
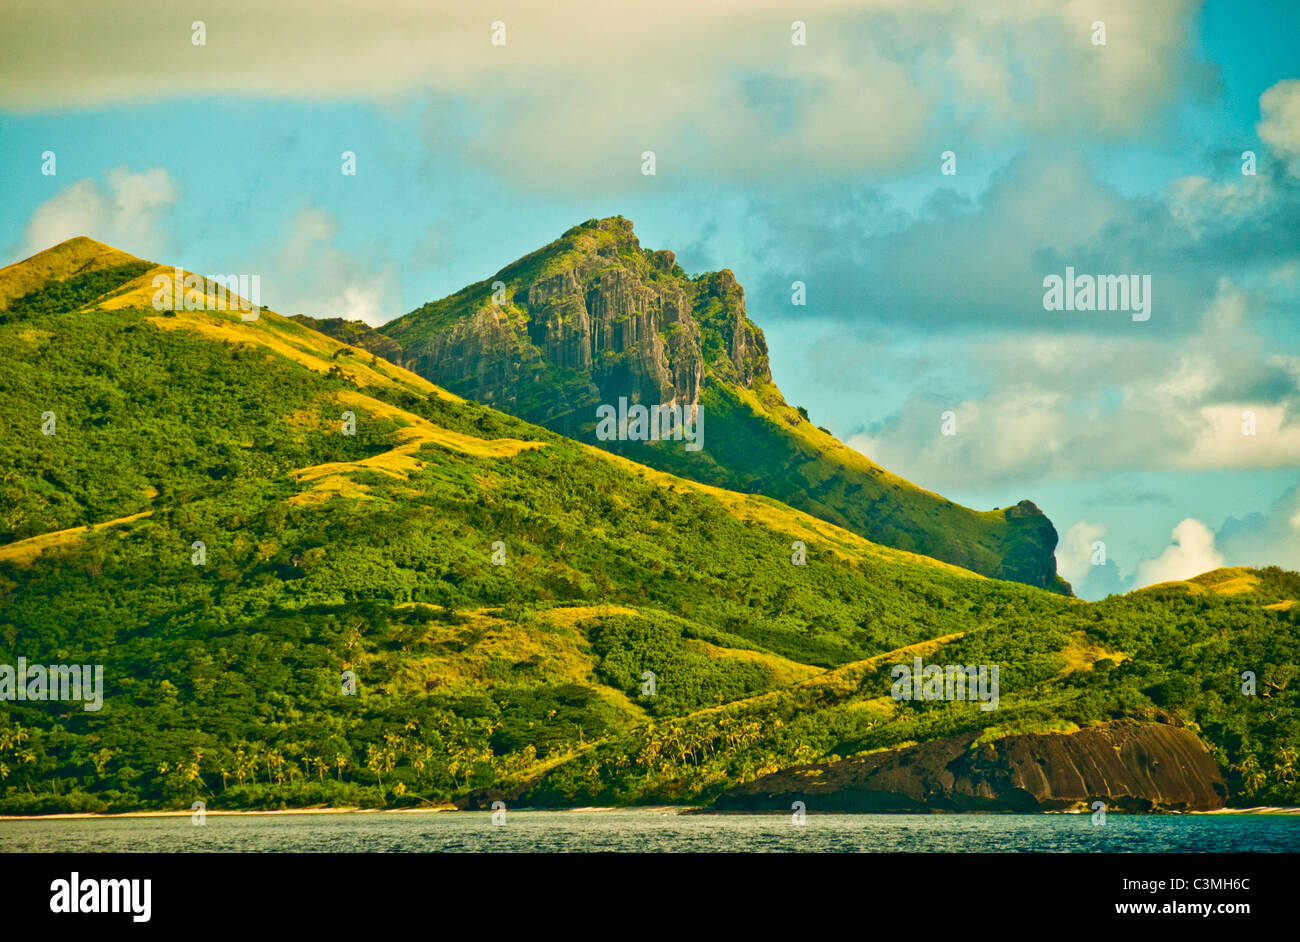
(643, 830)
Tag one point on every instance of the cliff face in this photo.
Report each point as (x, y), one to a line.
(594, 317)
(1025, 554)
(1130, 765)
(589, 320)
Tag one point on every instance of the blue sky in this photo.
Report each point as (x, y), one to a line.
(818, 163)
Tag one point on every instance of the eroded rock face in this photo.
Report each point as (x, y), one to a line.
(612, 321)
(1023, 558)
(1130, 765)
(489, 352)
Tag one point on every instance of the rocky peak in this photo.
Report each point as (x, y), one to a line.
(1026, 508)
(593, 315)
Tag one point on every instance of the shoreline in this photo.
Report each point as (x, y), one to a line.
(448, 809)
(219, 813)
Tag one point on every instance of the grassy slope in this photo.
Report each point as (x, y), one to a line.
(755, 441)
(66, 261)
(372, 553)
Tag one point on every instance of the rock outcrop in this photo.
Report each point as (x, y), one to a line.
(594, 320)
(1028, 533)
(1130, 765)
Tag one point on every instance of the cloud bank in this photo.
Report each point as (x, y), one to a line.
(577, 92)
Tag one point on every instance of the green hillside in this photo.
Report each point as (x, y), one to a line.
(374, 553)
(593, 317)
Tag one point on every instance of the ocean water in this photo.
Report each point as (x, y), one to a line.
(643, 830)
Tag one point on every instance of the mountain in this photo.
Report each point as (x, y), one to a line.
(593, 317)
(312, 577)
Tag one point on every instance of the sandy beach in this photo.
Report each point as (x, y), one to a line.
(444, 809)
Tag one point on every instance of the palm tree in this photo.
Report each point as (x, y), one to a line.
(1252, 776)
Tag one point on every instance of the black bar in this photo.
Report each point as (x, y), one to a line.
(332, 891)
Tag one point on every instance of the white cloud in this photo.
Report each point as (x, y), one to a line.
(1204, 205)
(127, 215)
(1072, 406)
(1225, 444)
(1191, 553)
(574, 87)
(1074, 553)
(365, 302)
(311, 274)
(1279, 125)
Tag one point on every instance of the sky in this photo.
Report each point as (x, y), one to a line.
(1174, 441)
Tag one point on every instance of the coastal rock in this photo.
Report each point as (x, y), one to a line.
(1130, 765)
